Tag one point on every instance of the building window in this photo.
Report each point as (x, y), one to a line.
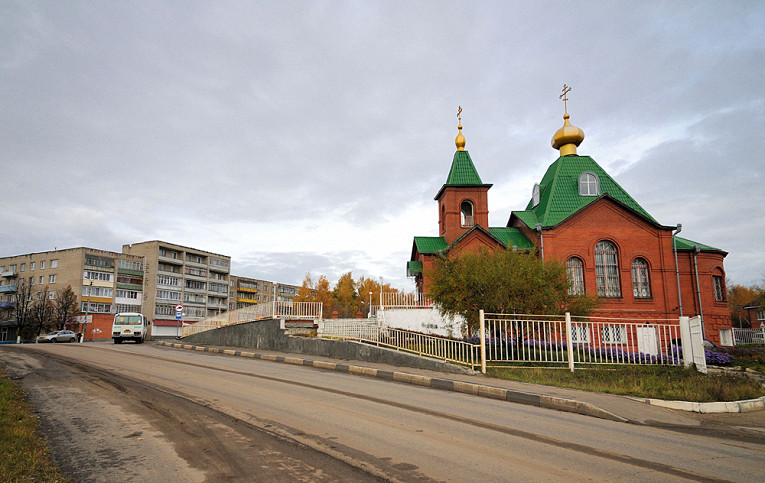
(607, 270)
(535, 195)
(641, 283)
(467, 213)
(613, 334)
(31, 266)
(168, 295)
(23, 267)
(42, 264)
(96, 291)
(52, 278)
(42, 279)
(588, 185)
(575, 273)
(102, 276)
(165, 310)
(761, 315)
(94, 261)
(96, 308)
(54, 263)
(126, 294)
(719, 288)
(580, 334)
(130, 265)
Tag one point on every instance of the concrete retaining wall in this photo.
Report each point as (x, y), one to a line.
(269, 335)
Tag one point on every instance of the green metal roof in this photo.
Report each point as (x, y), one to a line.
(462, 173)
(429, 244)
(413, 267)
(686, 244)
(511, 237)
(559, 195)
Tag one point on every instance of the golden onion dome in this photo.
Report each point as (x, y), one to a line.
(567, 138)
(460, 140)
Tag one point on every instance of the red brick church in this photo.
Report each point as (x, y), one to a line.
(580, 216)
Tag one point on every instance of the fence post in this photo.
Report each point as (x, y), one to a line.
(483, 342)
(569, 342)
(685, 340)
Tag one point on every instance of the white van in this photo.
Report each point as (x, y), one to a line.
(130, 326)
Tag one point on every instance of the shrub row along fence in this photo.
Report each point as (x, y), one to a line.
(554, 340)
(273, 310)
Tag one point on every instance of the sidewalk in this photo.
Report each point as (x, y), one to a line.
(604, 406)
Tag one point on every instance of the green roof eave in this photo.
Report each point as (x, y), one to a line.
(413, 267)
(528, 217)
(429, 244)
(686, 244)
(511, 237)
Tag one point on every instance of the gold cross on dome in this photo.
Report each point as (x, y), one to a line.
(566, 90)
(459, 112)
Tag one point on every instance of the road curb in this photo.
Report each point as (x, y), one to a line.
(539, 400)
(709, 407)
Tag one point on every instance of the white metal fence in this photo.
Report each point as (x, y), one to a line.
(749, 336)
(272, 310)
(452, 350)
(400, 300)
(579, 340)
(557, 340)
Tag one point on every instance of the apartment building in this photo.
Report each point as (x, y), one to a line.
(105, 282)
(245, 291)
(178, 275)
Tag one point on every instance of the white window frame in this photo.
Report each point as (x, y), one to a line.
(589, 184)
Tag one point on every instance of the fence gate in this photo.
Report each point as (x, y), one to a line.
(692, 336)
(648, 343)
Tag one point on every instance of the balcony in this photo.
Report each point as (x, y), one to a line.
(9, 273)
(7, 305)
(7, 288)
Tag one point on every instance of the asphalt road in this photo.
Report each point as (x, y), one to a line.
(149, 413)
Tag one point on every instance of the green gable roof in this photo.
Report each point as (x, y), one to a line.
(559, 195)
(462, 173)
(429, 244)
(510, 237)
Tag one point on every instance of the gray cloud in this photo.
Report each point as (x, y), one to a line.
(144, 120)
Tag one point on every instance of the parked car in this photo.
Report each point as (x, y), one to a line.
(58, 336)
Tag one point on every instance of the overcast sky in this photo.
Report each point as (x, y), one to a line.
(307, 135)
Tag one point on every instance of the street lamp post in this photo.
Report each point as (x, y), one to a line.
(370, 305)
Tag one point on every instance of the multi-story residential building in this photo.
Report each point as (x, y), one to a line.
(177, 275)
(105, 282)
(246, 292)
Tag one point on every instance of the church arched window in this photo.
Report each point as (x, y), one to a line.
(575, 275)
(588, 184)
(607, 270)
(466, 208)
(641, 281)
(535, 195)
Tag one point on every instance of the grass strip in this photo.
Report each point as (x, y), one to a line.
(660, 382)
(24, 454)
